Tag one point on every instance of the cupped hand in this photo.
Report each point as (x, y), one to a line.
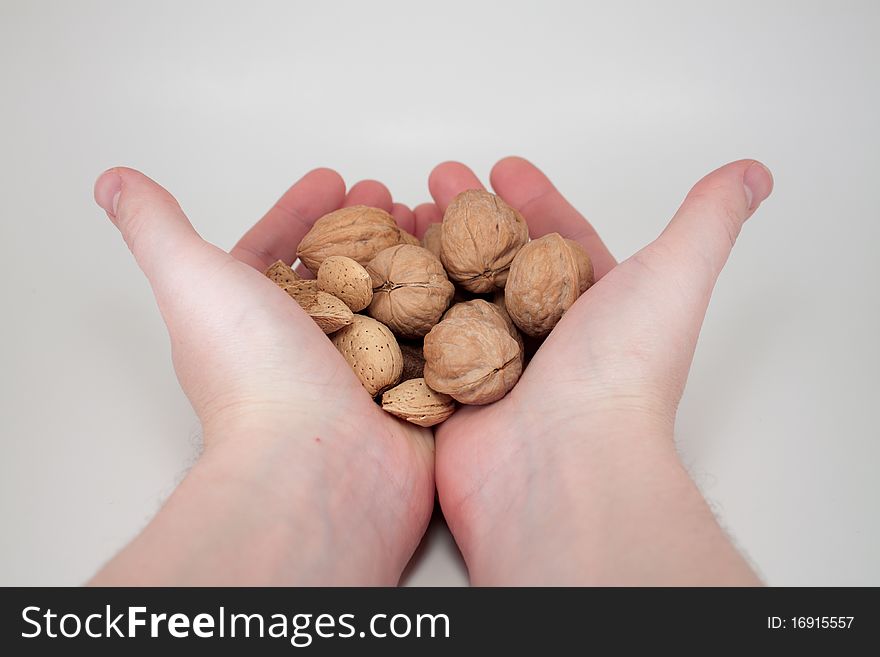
(572, 477)
(284, 417)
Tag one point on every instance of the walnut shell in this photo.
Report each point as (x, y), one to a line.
(431, 239)
(489, 312)
(546, 278)
(479, 237)
(415, 402)
(372, 352)
(584, 264)
(408, 238)
(473, 360)
(357, 232)
(347, 280)
(410, 290)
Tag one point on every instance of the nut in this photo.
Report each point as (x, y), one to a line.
(472, 359)
(347, 280)
(357, 232)
(410, 290)
(546, 278)
(415, 402)
(281, 274)
(301, 289)
(431, 239)
(585, 266)
(488, 312)
(329, 313)
(413, 360)
(479, 237)
(408, 238)
(371, 350)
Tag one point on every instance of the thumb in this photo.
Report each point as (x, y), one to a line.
(704, 230)
(151, 222)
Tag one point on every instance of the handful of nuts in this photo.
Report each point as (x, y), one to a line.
(425, 326)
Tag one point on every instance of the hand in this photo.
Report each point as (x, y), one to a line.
(573, 478)
(304, 479)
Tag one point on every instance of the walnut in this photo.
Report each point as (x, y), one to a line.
(479, 237)
(410, 290)
(431, 239)
(357, 232)
(490, 312)
(546, 278)
(472, 359)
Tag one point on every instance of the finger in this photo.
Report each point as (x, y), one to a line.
(278, 233)
(371, 193)
(426, 214)
(450, 179)
(404, 217)
(521, 184)
(698, 240)
(151, 223)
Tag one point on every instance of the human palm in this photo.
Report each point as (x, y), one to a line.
(612, 369)
(258, 371)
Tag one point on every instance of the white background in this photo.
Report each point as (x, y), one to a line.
(625, 105)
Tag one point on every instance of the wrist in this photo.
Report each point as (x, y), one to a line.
(325, 500)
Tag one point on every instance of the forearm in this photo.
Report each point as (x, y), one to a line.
(612, 507)
(273, 510)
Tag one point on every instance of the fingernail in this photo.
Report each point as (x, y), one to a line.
(758, 183)
(108, 187)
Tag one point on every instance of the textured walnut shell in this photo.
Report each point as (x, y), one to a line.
(413, 360)
(584, 265)
(329, 313)
(488, 312)
(546, 278)
(347, 280)
(282, 274)
(415, 402)
(410, 290)
(358, 232)
(372, 352)
(498, 300)
(479, 237)
(409, 238)
(431, 239)
(473, 360)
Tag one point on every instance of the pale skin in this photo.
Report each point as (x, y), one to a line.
(572, 478)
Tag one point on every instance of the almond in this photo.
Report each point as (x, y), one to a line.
(282, 274)
(345, 279)
(415, 402)
(329, 313)
(371, 350)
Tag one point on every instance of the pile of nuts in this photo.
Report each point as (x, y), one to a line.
(426, 324)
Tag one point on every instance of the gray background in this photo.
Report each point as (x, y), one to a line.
(625, 105)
